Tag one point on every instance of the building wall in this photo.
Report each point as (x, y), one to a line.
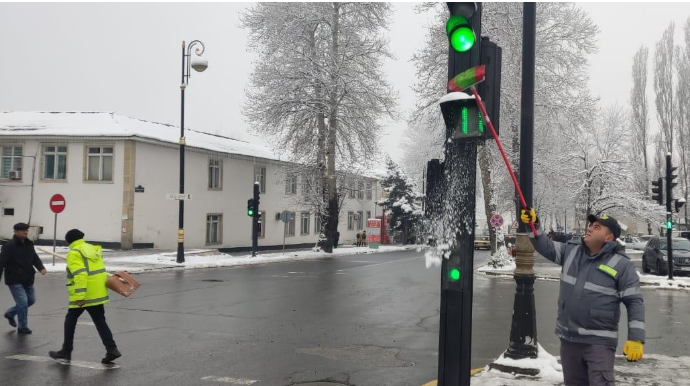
(156, 218)
(93, 207)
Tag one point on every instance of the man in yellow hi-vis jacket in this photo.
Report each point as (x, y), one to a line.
(86, 278)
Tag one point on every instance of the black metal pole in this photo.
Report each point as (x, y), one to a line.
(523, 332)
(255, 219)
(180, 231)
(669, 215)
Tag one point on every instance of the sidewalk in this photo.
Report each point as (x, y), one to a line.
(145, 260)
(653, 369)
(546, 270)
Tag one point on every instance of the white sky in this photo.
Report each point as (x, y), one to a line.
(126, 58)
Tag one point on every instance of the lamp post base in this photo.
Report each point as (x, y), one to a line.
(523, 330)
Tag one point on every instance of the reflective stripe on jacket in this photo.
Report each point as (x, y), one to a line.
(592, 288)
(86, 275)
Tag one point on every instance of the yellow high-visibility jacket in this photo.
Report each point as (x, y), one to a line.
(86, 275)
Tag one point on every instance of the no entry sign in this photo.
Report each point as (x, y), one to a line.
(57, 203)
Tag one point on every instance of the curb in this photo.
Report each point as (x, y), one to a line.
(473, 372)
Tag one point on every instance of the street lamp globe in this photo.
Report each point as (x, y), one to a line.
(199, 64)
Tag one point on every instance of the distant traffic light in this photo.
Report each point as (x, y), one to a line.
(250, 207)
(669, 221)
(657, 191)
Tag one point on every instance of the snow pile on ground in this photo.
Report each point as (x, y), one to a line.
(550, 371)
(501, 261)
(201, 259)
(662, 282)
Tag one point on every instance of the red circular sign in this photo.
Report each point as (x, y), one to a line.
(57, 203)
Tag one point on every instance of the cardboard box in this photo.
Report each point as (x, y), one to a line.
(122, 283)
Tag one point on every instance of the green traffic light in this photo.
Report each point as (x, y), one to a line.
(454, 274)
(669, 225)
(250, 212)
(460, 33)
(465, 120)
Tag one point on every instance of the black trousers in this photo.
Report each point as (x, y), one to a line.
(97, 314)
(587, 365)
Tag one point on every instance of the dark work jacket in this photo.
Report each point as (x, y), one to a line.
(18, 260)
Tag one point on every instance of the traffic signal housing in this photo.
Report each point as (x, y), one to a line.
(679, 204)
(657, 191)
(250, 208)
(463, 119)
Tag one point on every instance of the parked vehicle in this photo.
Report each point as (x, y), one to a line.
(654, 257)
(482, 242)
(641, 242)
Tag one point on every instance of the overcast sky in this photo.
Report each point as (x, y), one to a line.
(126, 58)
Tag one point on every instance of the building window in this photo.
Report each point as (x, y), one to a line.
(214, 229)
(360, 190)
(260, 177)
(350, 221)
(99, 163)
(304, 223)
(11, 160)
(215, 173)
(8, 211)
(317, 224)
(368, 215)
(353, 188)
(369, 193)
(360, 220)
(291, 225)
(54, 162)
(290, 184)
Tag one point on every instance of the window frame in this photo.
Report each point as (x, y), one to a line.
(87, 162)
(219, 183)
(262, 217)
(290, 229)
(350, 220)
(317, 224)
(370, 192)
(56, 164)
(303, 216)
(360, 220)
(290, 183)
(12, 157)
(261, 177)
(219, 230)
(360, 190)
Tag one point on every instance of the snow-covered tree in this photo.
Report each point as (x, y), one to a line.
(318, 89)
(683, 112)
(402, 201)
(663, 85)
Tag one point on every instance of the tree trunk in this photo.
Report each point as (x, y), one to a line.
(332, 223)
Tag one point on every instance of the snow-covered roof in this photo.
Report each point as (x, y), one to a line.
(105, 124)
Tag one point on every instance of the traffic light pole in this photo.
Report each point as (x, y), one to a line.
(455, 332)
(255, 220)
(669, 214)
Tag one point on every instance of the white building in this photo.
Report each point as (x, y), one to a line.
(116, 171)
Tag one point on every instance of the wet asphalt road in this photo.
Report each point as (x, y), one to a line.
(357, 320)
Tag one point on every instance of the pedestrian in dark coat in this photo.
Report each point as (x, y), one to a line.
(18, 259)
(364, 238)
(359, 238)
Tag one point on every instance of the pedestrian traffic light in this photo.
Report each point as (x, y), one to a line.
(679, 204)
(459, 29)
(462, 116)
(250, 207)
(454, 274)
(657, 191)
(669, 221)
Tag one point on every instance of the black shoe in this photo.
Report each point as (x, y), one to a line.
(110, 356)
(10, 320)
(60, 356)
(24, 331)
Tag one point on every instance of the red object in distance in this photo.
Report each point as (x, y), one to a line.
(57, 203)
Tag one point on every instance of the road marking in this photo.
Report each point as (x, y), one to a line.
(234, 381)
(296, 272)
(85, 323)
(88, 365)
(360, 261)
(384, 263)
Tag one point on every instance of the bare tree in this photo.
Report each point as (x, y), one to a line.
(683, 111)
(639, 121)
(318, 89)
(663, 85)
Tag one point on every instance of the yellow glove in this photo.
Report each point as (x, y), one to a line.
(526, 216)
(633, 350)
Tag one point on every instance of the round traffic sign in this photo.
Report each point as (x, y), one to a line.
(57, 203)
(496, 220)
